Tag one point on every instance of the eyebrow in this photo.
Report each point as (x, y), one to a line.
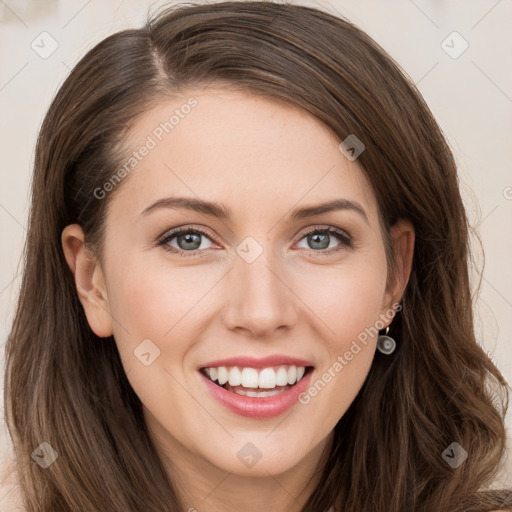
(222, 212)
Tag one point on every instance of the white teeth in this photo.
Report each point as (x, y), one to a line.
(222, 375)
(264, 378)
(247, 392)
(292, 375)
(249, 378)
(235, 377)
(267, 378)
(282, 376)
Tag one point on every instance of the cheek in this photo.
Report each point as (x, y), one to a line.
(350, 349)
(156, 304)
(347, 299)
(151, 300)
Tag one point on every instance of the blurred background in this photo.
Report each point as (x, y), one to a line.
(454, 51)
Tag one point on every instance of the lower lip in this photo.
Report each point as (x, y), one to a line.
(258, 407)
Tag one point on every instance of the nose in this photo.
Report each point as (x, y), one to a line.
(259, 298)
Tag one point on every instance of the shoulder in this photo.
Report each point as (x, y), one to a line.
(10, 498)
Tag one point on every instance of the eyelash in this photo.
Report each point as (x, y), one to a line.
(346, 241)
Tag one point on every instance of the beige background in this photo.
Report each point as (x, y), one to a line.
(471, 97)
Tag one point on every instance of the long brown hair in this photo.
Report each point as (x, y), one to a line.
(66, 387)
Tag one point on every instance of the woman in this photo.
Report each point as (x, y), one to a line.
(246, 281)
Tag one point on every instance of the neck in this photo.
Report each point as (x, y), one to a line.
(204, 487)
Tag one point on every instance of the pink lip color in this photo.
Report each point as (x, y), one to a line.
(258, 407)
(251, 362)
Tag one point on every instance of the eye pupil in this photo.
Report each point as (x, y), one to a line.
(324, 240)
(189, 238)
(189, 241)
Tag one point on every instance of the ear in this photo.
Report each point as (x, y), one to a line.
(89, 281)
(402, 236)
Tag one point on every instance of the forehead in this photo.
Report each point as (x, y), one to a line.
(243, 150)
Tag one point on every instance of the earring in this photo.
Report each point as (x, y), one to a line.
(386, 344)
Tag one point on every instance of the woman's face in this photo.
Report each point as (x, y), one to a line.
(255, 284)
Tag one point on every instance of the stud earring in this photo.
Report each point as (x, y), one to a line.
(386, 344)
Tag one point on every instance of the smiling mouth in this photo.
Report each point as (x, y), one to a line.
(252, 382)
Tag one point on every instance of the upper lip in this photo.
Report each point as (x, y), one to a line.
(253, 362)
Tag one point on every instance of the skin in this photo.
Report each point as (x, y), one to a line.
(261, 159)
